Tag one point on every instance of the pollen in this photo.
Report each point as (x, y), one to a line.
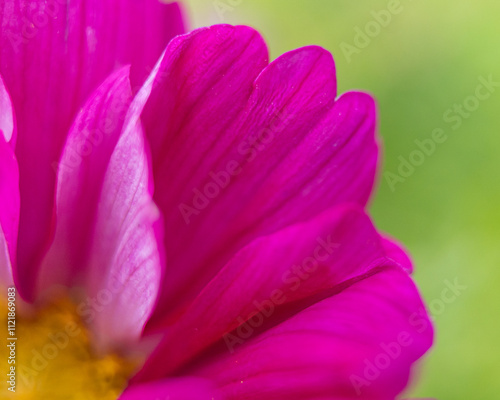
(54, 358)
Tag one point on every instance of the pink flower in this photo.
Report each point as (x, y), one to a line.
(209, 218)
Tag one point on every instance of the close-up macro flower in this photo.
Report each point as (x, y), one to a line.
(184, 217)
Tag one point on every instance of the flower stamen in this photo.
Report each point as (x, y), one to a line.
(55, 358)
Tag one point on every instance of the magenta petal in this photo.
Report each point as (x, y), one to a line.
(9, 195)
(203, 83)
(52, 56)
(126, 263)
(226, 149)
(80, 174)
(173, 389)
(107, 230)
(245, 185)
(359, 343)
(7, 118)
(397, 252)
(204, 80)
(320, 256)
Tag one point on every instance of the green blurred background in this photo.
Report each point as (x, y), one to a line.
(429, 57)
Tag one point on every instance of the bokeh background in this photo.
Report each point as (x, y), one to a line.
(428, 59)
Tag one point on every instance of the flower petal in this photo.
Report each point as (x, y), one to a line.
(9, 194)
(53, 54)
(397, 252)
(206, 73)
(359, 342)
(173, 389)
(127, 262)
(323, 255)
(80, 174)
(227, 145)
(107, 233)
(7, 119)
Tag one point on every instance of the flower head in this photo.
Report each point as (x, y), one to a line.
(192, 226)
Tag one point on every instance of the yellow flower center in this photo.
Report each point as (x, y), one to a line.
(48, 354)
